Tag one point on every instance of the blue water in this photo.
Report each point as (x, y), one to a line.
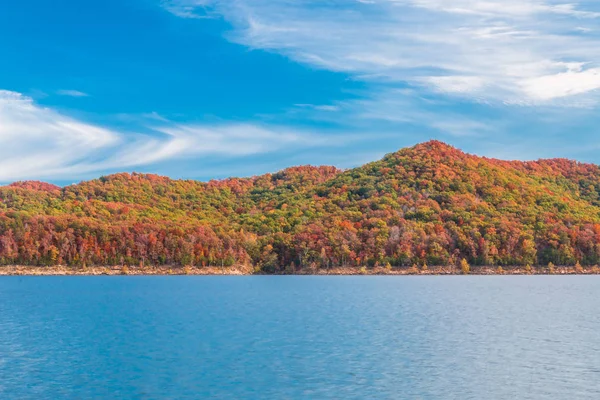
(528, 337)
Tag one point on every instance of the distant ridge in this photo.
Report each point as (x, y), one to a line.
(430, 204)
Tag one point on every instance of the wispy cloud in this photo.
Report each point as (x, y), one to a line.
(195, 9)
(225, 140)
(38, 142)
(71, 93)
(396, 110)
(320, 107)
(525, 52)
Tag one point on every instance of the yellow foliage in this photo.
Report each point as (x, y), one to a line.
(465, 267)
(414, 269)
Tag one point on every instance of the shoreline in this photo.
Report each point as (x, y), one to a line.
(23, 270)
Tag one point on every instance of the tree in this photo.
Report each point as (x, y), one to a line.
(465, 268)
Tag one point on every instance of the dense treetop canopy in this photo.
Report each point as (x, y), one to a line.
(428, 204)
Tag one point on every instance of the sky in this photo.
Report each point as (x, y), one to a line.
(204, 89)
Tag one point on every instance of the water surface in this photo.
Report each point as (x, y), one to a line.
(273, 337)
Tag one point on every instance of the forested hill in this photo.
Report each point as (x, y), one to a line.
(430, 203)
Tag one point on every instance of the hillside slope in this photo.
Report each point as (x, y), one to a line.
(430, 203)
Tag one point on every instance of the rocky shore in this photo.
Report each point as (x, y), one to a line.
(248, 270)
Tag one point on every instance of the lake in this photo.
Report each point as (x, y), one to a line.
(291, 337)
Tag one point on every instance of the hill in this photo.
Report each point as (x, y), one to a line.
(428, 204)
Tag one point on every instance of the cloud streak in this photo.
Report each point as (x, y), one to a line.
(525, 52)
(38, 142)
(71, 93)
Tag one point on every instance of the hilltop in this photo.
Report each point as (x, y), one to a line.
(430, 204)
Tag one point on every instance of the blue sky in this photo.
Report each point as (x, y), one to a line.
(207, 89)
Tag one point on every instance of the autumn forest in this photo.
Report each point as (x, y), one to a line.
(430, 204)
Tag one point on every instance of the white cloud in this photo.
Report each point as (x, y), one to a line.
(493, 8)
(71, 93)
(456, 84)
(563, 84)
(38, 142)
(495, 50)
(231, 140)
